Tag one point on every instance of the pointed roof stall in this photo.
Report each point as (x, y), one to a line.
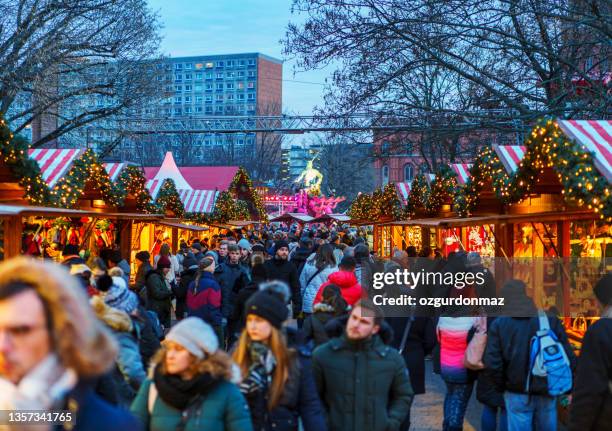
(169, 170)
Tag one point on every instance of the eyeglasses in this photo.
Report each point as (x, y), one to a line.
(20, 332)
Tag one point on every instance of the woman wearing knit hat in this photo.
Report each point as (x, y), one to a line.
(159, 292)
(191, 384)
(277, 381)
(204, 296)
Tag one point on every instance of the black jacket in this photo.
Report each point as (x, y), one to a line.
(506, 356)
(486, 391)
(314, 325)
(592, 400)
(420, 342)
(284, 270)
(242, 297)
(148, 343)
(231, 278)
(298, 258)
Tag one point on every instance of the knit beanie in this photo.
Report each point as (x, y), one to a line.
(269, 306)
(143, 256)
(603, 289)
(190, 261)
(120, 297)
(280, 244)
(258, 248)
(163, 262)
(195, 335)
(245, 244)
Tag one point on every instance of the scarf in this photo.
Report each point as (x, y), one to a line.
(179, 393)
(43, 388)
(262, 366)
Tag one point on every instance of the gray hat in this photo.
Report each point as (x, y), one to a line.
(245, 244)
(195, 335)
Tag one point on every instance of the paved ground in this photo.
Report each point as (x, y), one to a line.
(426, 412)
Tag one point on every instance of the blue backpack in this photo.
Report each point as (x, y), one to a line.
(548, 359)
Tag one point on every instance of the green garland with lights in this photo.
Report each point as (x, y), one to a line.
(132, 181)
(418, 195)
(390, 205)
(14, 152)
(360, 207)
(168, 199)
(242, 177)
(228, 208)
(442, 189)
(86, 169)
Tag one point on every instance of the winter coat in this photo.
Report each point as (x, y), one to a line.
(92, 413)
(486, 392)
(158, 294)
(298, 401)
(125, 267)
(231, 278)
(240, 305)
(141, 277)
(310, 280)
(298, 258)
(283, 270)
(592, 398)
(350, 289)
(148, 342)
(223, 408)
(507, 353)
(364, 385)
(204, 300)
(453, 338)
(314, 325)
(420, 342)
(175, 267)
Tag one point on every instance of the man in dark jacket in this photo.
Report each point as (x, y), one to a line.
(279, 268)
(258, 276)
(158, 291)
(507, 360)
(190, 265)
(232, 276)
(362, 382)
(592, 400)
(143, 258)
(301, 253)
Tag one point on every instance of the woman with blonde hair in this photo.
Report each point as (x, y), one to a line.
(53, 347)
(277, 381)
(191, 384)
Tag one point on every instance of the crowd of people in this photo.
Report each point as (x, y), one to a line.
(276, 330)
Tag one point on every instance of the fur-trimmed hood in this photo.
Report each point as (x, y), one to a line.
(114, 318)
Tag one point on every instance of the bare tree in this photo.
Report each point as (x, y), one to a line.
(80, 62)
(495, 60)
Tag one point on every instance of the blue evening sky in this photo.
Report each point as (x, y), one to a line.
(201, 27)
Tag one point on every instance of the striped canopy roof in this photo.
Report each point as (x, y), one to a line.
(403, 190)
(154, 186)
(54, 163)
(198, 201)
(114, 170)
(462, 170)
(510, 156)
(596, 136)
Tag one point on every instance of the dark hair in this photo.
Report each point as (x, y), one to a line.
(333, 297)
(362, 253)
(348, 263)
(232, 247)
(204, 263)
(425, 252)
(412, 251)
(115, 256)
(373, 310)
(325, 256)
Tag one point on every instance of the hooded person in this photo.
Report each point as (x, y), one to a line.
(277, 380)
(190, 269)
(143, 260)
(64, 351)
(159, 293)
(192, 384)
(332, 305)
(204, 296)
(346, 280)
(591, 407)
(279, 268)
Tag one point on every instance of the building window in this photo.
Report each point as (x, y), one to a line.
(230, 63)
(209, 65)
(178, 88)
(209, 98)
(251, 74)
(198, 99)
(219, 108)
(178, 66)
(209, 75)
(251, 62)
(385, 175)
(198, 87)
(230, 97)
(208, 110)
(187, 99)
(209, 87)
(230, 86)
(198, 109)
(241, 74)
(219, 97)
(219, 86)
(240, 96)
(187, 87)
(241, 86)
(251, 85)
(177, 111)
(188, 76)
(251, 96)
(408, 172)
(178, 99)
(188, 110)
(219, 75)
(198, 76)
(188, 66)
(230, 74)
(178, 77)
(241, 63)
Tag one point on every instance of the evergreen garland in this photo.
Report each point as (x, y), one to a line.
(168, 199)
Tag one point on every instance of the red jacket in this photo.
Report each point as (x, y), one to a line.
(350, 289)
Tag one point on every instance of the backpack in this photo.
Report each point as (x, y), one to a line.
(547, 358)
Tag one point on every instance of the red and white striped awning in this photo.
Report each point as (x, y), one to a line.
(153, 186)
(596, 136)
(403, 190)
(430, 178)
(54, 163)
(462, 170)
(510, 156)
(114, 170)
(198, 201)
